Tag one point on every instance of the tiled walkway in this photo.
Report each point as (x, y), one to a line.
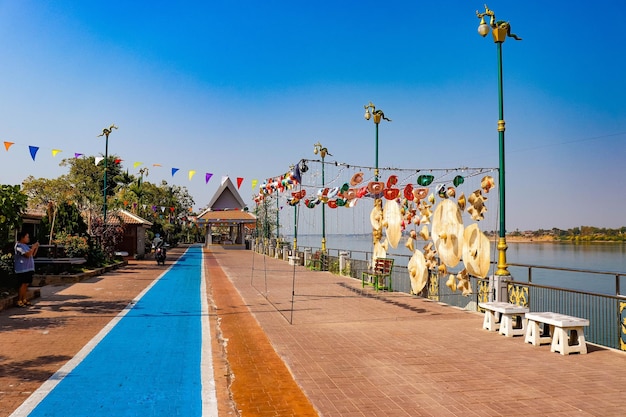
(358, 354)
(292, 342)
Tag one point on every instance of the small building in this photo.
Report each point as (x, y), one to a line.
(135, 227)
(226, 219)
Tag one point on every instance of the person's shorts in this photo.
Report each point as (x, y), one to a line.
(24, 277)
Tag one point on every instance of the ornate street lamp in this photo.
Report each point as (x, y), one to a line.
(106, 132)
(318, 148)
(378, 115)
(500, 30)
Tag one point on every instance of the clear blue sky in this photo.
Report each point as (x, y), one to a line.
(245, 89)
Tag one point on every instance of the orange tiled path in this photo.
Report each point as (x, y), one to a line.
(262, 384)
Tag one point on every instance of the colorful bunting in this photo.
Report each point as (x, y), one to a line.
(191, 174)
(239, 181)
(118, 160)
(98, 159)
(55, 152)
(207, 177)
(254, 183)
(77, 155)
(174, 171)
(157, 165)
(7, 145)
(136, 164)
(33, 151)
(224, 178)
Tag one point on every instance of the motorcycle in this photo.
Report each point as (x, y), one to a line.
(159, 255)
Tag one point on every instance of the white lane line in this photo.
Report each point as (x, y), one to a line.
(209, 396)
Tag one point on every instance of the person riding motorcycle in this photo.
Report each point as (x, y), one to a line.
(158, 245)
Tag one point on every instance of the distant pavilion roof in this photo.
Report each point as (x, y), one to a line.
(226, 207)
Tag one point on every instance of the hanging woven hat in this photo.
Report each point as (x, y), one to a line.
(392, 180)
(451, 282)
(332, 204)
(392, 220)
(408, 192)
(361, 192)
(476, 251)
(487, 183)
(417, 272)
(376, 217)
(419, 194)
(391, 193)
(447, 232)
(461, 201)
(458, 180)
(375, 187)
(350, 194)
(356, 179)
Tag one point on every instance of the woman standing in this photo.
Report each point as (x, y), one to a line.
(24, 265)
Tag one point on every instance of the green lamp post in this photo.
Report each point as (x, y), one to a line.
(318, 148)
(106, 132)
(500, 30)
(378, 116)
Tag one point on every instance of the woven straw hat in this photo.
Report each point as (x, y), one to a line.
(447, 232)
(392, 220)
(417, 272)
(476, 251)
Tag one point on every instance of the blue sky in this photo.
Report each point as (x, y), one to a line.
(245, 89)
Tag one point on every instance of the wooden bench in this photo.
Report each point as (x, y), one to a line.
(565, 333)
(502, 315)
(60, 261)
(380, 277)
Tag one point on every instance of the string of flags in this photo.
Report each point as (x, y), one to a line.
(33, 150)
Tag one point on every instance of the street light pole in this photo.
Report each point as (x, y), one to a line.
(318, 148)
(106, 132)
(500, 30)
(378, 116)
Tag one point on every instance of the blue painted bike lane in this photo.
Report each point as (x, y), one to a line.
(154, 359)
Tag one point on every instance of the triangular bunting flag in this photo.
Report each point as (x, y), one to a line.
(99, 159)
(55, 152)
(136, 164)
(33, 151)
(174, 171)
(77, 155)
(162, 209)
(191, 174)
(7, 145)
(239, 181)
(157, 165)
(254, 183)
(223, 180)
(207, 177)
(118, 160)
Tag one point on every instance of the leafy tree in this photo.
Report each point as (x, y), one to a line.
(12, 205)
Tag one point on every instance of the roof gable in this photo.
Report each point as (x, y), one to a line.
(226, 198)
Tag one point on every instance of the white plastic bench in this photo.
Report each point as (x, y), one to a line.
(499, 315)
(565, 333)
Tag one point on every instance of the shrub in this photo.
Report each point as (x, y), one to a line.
(75, 246)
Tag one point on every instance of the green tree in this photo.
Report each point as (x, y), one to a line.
(13, 203)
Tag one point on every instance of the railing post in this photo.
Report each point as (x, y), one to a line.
(617, 286)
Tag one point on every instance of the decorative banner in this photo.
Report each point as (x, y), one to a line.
(239, 181)
(99, 159)
(157, 165)
(191, 174)
(136, 164)
(55, 152)
(174, 171)
(207, 177)
(254, 183)
(154, 208)
(33, 151)
(223, 180)
(162, 209)
(118, 160)
(77, 155)
(7, 145)
(172, 209)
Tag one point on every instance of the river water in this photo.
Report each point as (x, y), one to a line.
(599, 257)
